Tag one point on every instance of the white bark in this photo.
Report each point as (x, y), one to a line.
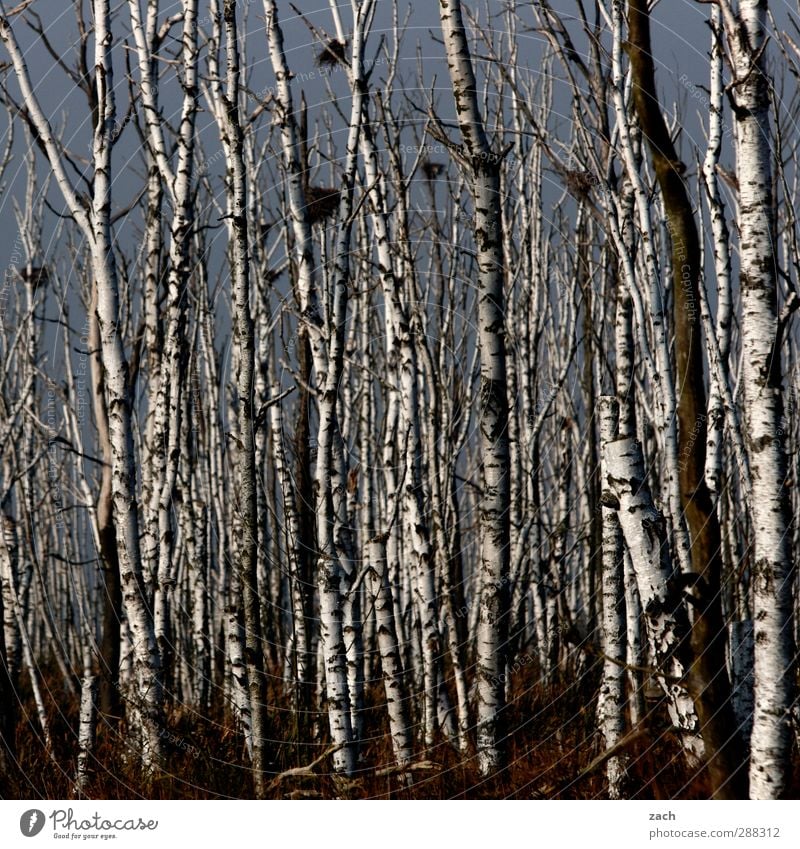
(12, 599)
(327, 366)
(87, 721)
(662, 374)
(774, 686)
(147, 661)
(173, 368)
(611, 703)
(494, 511)
(719, 227)
(391, 661)
(8, 578)
(244, 357)
(291, 517)
(234, 640)
(665, 615)
(636, 655)
(329, 565)
(200, 592)
(95, 222)
(401, 352)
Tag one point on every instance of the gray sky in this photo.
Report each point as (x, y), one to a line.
(680, 40)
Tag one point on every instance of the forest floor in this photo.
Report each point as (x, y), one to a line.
(553, 751)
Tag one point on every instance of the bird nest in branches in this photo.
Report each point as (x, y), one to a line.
(580, 182)
(432, 170)
(34, 276)
(321, 203)
(332, 53)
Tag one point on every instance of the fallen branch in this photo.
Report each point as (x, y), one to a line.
(420, 766)
(304, 771)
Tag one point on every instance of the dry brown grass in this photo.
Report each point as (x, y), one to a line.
(552, 739)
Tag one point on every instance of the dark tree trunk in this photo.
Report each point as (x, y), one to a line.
(305, 509)
(707, 675)
(109, 701)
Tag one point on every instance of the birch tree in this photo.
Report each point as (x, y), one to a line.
(244, 451)
(164, 436)
(351, 450)
(612, 693)
(708, 677)
(662, 602)
(745, 33)
(94, 220)
(482, 164)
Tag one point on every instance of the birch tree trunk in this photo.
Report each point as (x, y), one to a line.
(660, 371)
(332, 647)
(401, 347)
(109, 699)
(720, 347)
(707, 675)
(773, 573)
(611, 704)
(664, 610)
(291, 517)
(484, 174)
(87, 725)
(174, 365)
(386, 632)
(245, 452)
(118, 400)
(329, 444)
(8, 698)
(94, 219)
